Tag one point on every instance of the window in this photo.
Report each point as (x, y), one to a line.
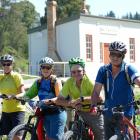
(89, 53)
(101, 52)
(132, 49)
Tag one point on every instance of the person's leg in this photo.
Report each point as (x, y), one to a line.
(17, 119)
(5, 124)
(55, 130)
(109, 128)
(96, 123)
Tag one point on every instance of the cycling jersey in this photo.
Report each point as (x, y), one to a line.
(10, 84)
(44, 87)
(74, 92)
(120, 92)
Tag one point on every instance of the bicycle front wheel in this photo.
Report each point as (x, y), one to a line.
(23, 131)
(71, 135)
(120, 137)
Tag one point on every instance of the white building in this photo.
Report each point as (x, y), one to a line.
(88, 37)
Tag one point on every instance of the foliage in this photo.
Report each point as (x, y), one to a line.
(136, 16)
(15, 19)
(111, 14)
(65, 9)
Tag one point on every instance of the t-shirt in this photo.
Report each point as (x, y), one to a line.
(74, 92)
(9, 85)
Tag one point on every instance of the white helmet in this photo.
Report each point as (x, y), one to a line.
(46, 60)
(118, 46)
(7, 57)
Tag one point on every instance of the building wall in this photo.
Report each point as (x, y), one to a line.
(37, 49)
(67, 35)
(106, 31)
(71, 41)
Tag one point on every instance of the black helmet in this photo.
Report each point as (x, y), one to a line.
(118, 46)
(7, 57)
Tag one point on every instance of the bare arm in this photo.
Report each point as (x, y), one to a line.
(137, 81)
(59, 100)
(96, 94)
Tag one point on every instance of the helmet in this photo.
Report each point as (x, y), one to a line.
(7, 57)
(76, 60)
(46, 60)
(118, 46)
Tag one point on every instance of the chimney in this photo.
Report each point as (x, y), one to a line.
(84, 8)
(51, 19)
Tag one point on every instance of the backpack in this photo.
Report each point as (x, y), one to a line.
(53, 81)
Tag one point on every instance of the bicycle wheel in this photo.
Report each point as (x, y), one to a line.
(71, 135)
(120, 137)
(25, 132)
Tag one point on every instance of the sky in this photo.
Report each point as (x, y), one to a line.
(101, 7)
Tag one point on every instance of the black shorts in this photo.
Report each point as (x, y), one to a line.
(10, 120)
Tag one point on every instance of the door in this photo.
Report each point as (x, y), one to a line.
(106, 53)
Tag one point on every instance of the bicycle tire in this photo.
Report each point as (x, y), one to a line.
(120, 137)
(70, 135)
(25, 130)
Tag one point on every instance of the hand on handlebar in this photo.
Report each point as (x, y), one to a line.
(94, 110)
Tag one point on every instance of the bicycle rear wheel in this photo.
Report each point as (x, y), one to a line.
(25, 132)
(71, 135)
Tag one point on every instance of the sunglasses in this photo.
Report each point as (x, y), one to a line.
(46, 67)
(76, 71)
(114, 54)
(6, 64)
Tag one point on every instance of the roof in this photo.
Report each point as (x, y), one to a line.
(40, 28)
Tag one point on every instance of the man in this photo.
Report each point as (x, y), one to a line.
(118, 91)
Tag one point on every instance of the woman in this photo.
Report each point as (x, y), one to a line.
(78, 88)
(11, 83)
(48, 87)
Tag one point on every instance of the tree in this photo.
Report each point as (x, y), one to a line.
(65, 8)
(111, 14)
(14, 23)
(136, 16)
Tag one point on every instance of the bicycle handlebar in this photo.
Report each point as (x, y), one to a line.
(8, 97)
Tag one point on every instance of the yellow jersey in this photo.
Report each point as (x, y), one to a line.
(9, 85)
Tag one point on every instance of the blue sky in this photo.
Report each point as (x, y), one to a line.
(101, 7)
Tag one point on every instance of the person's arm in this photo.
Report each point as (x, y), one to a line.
(96, 94)
(137, 81)
(59, 100)
(31, 93)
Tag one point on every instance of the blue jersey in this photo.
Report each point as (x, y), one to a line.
(120, 91)
(45, 92)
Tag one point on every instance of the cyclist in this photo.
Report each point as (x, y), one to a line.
(78, 88)
(11, 83)
(47, 87)
(118, 90)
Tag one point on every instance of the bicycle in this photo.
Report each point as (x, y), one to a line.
(123, 126)
(79, 130)
(4, 96)
(33, 129)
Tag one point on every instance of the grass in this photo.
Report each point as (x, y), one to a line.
(26, 77)
(137, 97)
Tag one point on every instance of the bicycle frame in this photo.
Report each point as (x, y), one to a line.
(81, 126)
(136, 133)
(124, 124)
(38, 125)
